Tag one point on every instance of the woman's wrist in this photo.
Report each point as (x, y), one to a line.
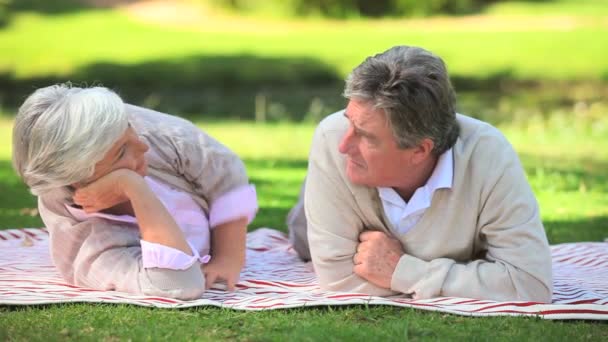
(228, 240)
(132, 184)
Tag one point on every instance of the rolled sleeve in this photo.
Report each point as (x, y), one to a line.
(155, 255)
(239, 202)
(419, 278)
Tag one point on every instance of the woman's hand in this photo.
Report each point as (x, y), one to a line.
(224, 268)
(227, 253)
(105, 192)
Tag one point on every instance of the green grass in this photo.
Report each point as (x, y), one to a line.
(357, 323)
(570, 211)
(192, 68)
(70, 42)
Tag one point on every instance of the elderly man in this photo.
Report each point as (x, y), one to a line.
(403, 195)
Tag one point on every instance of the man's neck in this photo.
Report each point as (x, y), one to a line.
(421, 177)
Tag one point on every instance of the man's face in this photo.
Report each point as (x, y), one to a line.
(373, 158)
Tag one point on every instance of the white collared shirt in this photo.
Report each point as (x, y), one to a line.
(404, 216)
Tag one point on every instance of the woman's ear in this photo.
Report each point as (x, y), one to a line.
(69, 192)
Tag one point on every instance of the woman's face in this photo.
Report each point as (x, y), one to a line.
(127, 153)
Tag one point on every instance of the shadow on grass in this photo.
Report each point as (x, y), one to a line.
(232, 86)
(15, 194)
(281, 88)
(277, 195)
(589, 229)
(271, 217)
(277, 163)
(52, 7)
(47, 7)
(17, 204)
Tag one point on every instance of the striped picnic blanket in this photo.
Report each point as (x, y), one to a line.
(274, 278)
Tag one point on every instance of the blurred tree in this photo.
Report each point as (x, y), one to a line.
(365, 8)
(9, 7)
(4, 13)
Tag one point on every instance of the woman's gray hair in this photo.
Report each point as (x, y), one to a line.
(413, 88)
(61, 132)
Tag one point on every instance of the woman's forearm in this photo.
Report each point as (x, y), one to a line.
(155, 223)
(228, 240)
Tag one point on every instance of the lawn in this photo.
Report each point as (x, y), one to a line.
(544, 84)
(571, 212)
(190, 66)
(519, 45)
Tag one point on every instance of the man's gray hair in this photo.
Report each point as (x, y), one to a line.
(413, 88)
(61, 132)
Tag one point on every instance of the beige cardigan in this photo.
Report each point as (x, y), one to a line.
(483, 238)
(106, 255)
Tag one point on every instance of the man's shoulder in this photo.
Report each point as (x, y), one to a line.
(327, 136)
(333, 122)
(471, 128)
(479, 135)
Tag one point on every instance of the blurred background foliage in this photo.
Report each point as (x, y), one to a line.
(286, 60)
(295, 8)
(356, 8)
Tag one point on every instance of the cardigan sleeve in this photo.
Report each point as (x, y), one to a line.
(333, 224)
(517, 261)
(104, 255)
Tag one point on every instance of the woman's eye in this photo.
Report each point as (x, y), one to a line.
(122, 152)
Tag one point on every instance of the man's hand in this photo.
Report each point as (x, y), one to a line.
(105, 192)
(377, 257)
(227, 269)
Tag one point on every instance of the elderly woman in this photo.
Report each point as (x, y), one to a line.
(134, 200)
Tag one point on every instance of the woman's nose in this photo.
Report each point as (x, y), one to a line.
(142, 146)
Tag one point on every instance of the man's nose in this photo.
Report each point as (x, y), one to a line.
(346, 142)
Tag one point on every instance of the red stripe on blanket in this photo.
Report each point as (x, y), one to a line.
(274, 277)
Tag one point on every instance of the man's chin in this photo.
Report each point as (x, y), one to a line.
(355, 177)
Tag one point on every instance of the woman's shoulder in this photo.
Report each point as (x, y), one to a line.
(151, 120)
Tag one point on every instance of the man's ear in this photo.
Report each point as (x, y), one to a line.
(423, 151)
